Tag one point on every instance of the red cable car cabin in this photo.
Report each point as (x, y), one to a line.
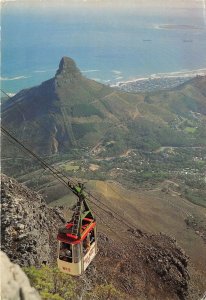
(77, 240)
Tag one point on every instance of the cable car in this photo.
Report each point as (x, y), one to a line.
(77, 241)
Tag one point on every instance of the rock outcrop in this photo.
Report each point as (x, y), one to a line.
(67, 69)
(14, 282)
(29, 226)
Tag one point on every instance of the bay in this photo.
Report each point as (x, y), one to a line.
(108, 44)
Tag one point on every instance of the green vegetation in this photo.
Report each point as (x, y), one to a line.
(80, 130)
(85, 110)
(182, 104)
(70, 167)
(102, 292)
(190, 129)
(55, 285)
(51, 283)
(147, 135)
(184, 165)
(137, 139)
(196, 196)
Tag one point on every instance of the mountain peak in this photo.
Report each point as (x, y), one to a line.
(67, 67)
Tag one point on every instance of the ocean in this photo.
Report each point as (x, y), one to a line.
(109, 45)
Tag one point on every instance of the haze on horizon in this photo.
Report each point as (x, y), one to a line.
(117, 3)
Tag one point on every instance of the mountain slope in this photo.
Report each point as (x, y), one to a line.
(70, 111)
(57, 114)
(138, 264)
(190, 96)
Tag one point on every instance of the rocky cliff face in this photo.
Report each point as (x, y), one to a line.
(14, 283)
(28, 225)
(67, 70)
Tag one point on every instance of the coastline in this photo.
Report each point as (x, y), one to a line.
(183, 74)
(158, 81)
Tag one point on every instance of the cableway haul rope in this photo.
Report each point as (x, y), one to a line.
(106, 211)
(77, 241)
(56, 173)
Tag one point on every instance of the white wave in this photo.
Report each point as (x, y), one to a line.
(116, 72)
(96, 79)
(183, 73)
(40, 71)
(176, 27)
(119, 77)
(89, 71)
(13, 78)
(11, 94)
(44, 71)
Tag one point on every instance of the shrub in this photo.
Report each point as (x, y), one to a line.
(51, 283)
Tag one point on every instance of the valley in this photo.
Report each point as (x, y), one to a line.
(183, 165)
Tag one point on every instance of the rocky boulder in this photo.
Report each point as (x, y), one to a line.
(14, 282)
(29, 227)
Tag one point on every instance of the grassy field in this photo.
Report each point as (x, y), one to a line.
(190, 129)
(69, 166)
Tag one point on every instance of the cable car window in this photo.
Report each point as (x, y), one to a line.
(86, 244)
(92, 237)
(76, 253)
(65, 252)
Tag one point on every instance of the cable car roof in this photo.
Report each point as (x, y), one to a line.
(65, 235)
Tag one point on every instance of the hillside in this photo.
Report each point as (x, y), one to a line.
(138, 264)
(70, 111)
(126, 136)
(59, 113)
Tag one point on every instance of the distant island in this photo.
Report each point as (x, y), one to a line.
(178, 26)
